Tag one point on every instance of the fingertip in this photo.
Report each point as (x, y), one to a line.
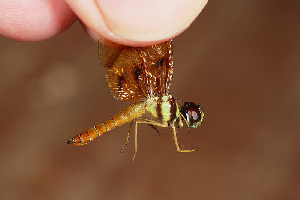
(149, 20)
(137, 22)
(95, 36)
(35, 20)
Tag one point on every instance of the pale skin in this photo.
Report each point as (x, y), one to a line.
(131, 22)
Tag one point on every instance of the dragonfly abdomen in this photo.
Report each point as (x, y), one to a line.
(128, 114)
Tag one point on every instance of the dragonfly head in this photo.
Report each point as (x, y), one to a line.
(192, 113)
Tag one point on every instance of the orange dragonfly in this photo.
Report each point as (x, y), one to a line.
(142, 75)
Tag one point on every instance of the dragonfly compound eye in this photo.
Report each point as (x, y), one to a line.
(192, 113)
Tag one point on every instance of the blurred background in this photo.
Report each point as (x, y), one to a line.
(239, 59)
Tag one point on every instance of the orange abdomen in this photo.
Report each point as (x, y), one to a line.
(127, 115)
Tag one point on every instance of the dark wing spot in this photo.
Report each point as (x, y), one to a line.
(121, 81)
(160, 63)
(137, 73)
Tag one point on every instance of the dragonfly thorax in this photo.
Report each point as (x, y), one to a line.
(164, 109)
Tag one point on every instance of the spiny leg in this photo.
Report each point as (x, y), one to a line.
(187, 124)
(177, 145)
(135, 141)
(146, 121)
(127, 139)
(155, 129)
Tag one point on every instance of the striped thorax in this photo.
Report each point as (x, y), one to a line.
(164, 109)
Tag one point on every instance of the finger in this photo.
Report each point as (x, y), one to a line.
(34, 20)
(135, 22)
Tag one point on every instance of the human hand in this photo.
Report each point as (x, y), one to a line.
(131, 22)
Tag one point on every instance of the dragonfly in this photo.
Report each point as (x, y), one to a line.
(142, 76)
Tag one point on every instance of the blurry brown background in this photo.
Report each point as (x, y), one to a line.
(240, 59)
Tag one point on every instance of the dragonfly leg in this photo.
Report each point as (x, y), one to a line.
(159, 134)
(128, 136)
(177, 145)
(145, 121)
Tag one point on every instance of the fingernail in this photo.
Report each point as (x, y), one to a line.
(151, 20)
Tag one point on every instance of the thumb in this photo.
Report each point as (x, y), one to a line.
(136, 22)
